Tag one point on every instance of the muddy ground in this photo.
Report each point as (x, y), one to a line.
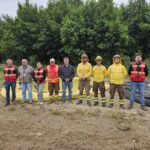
(72, 127)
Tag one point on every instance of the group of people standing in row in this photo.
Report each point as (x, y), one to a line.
(116, 73)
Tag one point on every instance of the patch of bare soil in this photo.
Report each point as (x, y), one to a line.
(72, 127)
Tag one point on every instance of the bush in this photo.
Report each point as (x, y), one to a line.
(33, 61)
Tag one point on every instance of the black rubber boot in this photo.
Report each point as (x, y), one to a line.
(110, 105)
(79, 102)
(103, 104)
(89, 103)
(96, 103)
(122, 106)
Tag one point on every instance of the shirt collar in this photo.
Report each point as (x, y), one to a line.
(65, 66)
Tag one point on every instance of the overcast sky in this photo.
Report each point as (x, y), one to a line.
(10, 6)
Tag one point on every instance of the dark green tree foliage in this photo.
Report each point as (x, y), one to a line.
(72, 27)
(136, 16)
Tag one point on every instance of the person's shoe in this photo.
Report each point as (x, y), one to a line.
(122, 106)
(89, 103)
(41, 103)
(144, 108)
(30, 102)
(103, 104)
(96, 103)
(79, 102)
(130, 106)
(13, 102)
(38, 103)
(7, 104)
(70, 102)
(23, 102)
(110, 105)
(63, 101)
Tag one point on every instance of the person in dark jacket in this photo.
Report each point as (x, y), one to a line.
(138, 73)
(67, 74)
(39, 76)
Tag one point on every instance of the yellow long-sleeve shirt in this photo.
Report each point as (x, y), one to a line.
(99, 73)
(84, 70)
(117, 73)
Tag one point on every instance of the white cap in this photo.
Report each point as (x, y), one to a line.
(52, 60)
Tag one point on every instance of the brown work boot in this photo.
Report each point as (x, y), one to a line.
(130, 106)
(144, 108)
(110, 105)
(89, 103)
(122, 106)
(79, 102)
(103, 104)
(95, 103)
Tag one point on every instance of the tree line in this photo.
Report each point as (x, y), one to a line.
(72, 27)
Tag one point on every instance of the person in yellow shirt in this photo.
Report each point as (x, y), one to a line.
(84, 72)
(117, 73)
(99, 73)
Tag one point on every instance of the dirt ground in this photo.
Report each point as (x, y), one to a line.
(72, 127)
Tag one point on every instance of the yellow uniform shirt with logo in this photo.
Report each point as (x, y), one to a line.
(84, 70)
(117, 73)
(99, 73)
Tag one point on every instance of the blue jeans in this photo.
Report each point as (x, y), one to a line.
(141, 87)
(26, 87)
(40, 87)
(64, 86)
(7, 88)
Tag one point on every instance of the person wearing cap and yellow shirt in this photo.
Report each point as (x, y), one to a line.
(117, 73)
(52, 71)
(99, 73)
(84, 72)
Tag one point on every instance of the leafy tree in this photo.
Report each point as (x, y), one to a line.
(72, 27)
(136, 16)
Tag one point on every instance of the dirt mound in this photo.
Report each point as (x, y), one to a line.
(72, 127)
